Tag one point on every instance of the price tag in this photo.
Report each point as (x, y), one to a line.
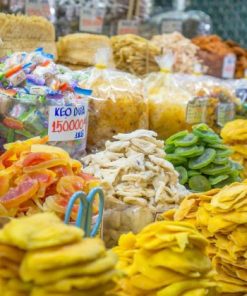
(127, 27)
(92, 19)
(68, 123)
(170, 26)
(196, 111)
(38, 7)
(225, 113)
(229, 64)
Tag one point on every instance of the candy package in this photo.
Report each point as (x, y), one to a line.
(38, 98)
(119, 104)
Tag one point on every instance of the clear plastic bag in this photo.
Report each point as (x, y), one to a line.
(118, 106)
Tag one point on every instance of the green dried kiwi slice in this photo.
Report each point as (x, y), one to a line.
(203, 160)
(186, 141)
(170, 148)
(227, 182)
(189, 151)
(199, 183)
(175, 159)
(183, 175)
(192, 173)
(236, 165)
(176, 136)
(223, 153)
(206, 134)
(220, 160)
(213, 169)
(217, 179)
(218, 146)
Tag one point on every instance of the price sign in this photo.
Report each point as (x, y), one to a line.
(38, 7)
(127, 27)
(92, 19)
(196, 111)
(68, 123)
(229, 64)
(225, 113)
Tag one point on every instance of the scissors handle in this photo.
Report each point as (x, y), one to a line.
(90, 199)
(81, 219)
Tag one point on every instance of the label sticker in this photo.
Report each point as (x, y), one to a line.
(196, 111)
(92, 19)
(68, 123)
(38, 7)
(225, 113)
(229, 64)
(127, 27)
(170, 26)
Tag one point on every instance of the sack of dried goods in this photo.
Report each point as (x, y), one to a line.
(201, 159)
(44, 257)
(221, 216)
(234, 134)
(35, 177)
(138, 182)
(135, 54)
(119, 104)
(164, 259)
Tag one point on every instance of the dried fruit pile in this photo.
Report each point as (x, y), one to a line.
(221, 216)
(35, 177)
(234, 134)
(201, 159)
(42, 256)
(165, 258)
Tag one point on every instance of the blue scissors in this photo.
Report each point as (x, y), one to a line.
(85, 212)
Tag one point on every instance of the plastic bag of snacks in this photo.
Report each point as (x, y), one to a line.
(119, 104)
(37, 98)
(167, 100)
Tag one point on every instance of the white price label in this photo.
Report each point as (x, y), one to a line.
(170, 26)
(38, 7)
(229, 65)
(68, 123)
(127, 27)
(92, 19)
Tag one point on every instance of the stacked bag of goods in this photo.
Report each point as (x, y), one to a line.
(234, 134)
(138, 182)
(201, 159)
(35, 177)
(78, 51)
(26, 33)
(41, 256)
(165, 259)
(221, 216)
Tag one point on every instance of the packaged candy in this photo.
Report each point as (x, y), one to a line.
(42, 100)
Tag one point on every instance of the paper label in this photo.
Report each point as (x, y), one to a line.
(229, 64)
(196, 111)
(170, 26)
(38, 7)
(17, 78)
(92, 19)
(127, 27)
(68, 123)
(225, 113)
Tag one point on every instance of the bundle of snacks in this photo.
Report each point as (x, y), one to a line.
(55, 259)
(37, 98)
(137, 180)
(234, 134)
(201, 159)
(135, 54)
(118, 106)
(215, 53)
(184, 51)
(166, 99)
(78, 50)
(25, 33)
(35, 177)
(221, 216)
(165, 258)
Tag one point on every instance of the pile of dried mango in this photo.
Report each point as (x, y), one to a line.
(35, 177)
(41, 256)
(221, 216)
(234, 134)
(164, 259)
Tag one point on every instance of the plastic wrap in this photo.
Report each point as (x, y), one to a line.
(118, 106)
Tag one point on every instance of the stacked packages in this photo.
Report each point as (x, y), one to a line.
(221, 216)
(52, 258)
(164, 259)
